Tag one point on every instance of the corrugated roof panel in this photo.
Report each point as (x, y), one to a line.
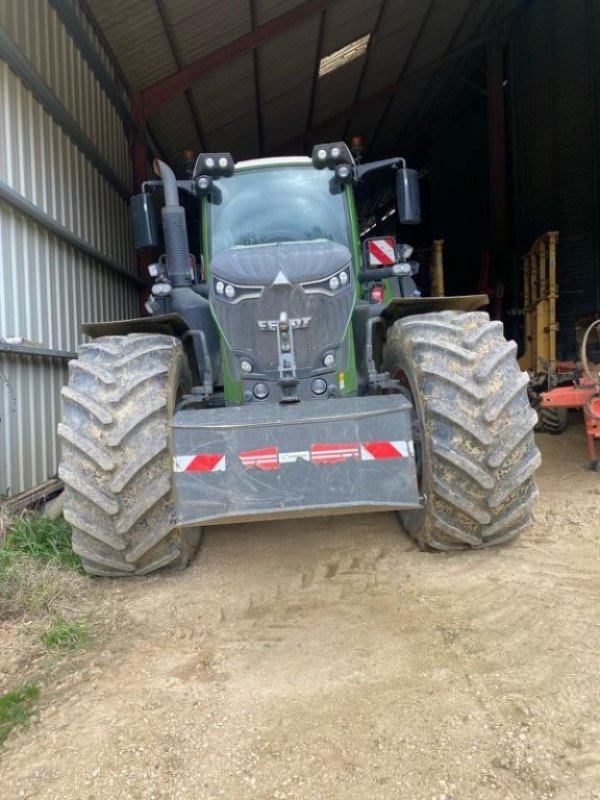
(227, 93)
(200, 28)
(347, 20)
(440, 28)
(397, 14)
(482, 13)
(239, 137)
(174, 126)
(267, 10)
(402, 109)
(335, 92)
(137, 37)
(364, 124)
(289, 59)
(285, 117)
(386, 60)
(327, 133)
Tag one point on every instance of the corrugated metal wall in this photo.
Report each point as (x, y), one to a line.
(555, 81)
(48, 287)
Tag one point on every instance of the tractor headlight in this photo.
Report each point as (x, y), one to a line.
(162, 289)
(232, 292)
(332, 285)
(215, 165)
(329, 155)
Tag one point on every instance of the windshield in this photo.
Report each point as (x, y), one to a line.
(282, 204)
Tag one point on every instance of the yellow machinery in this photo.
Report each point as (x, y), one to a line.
(540, 295)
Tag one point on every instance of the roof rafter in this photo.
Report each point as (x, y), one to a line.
(158, 94)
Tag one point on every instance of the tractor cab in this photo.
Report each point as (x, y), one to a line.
(283, 272)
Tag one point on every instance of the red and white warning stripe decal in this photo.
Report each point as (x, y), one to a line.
(320, 453)
(333, 453)
(203, 462)
(375, 451)
(382, 252)
(267, 458)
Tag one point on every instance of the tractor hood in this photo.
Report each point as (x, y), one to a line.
(282, 308)
(299, 262)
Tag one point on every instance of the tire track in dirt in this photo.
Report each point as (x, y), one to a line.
(331, 659)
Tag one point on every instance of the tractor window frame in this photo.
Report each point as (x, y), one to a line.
(214, 204)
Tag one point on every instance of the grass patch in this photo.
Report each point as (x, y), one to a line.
(39, 572)
(47, 540)
(30, 588)
(67, 636)
(16, 708)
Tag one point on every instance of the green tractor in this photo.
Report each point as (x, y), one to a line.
(290, 371)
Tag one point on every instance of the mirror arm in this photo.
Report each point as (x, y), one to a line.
(362, 169)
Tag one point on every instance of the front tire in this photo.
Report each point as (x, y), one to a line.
(474, 429)
(116, 464)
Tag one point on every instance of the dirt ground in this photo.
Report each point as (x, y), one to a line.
(331, 659)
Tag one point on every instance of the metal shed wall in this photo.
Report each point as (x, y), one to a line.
(555, 81)
(48, 284)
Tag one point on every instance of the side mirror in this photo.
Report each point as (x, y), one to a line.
(408, 198)
(143, 218)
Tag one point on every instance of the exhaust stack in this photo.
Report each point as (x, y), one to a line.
(174, 227)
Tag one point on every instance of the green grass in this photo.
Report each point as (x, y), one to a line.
(16, 708)
(44, 539)
(39, 572)
(67, 636)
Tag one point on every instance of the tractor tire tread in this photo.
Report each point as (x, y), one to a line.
(116, 463)
(480, 451)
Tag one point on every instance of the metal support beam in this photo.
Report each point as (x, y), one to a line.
(24, 206)
(155, 96)
(77, 32)
(24, 69)
(39, 352)
(99, 33)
